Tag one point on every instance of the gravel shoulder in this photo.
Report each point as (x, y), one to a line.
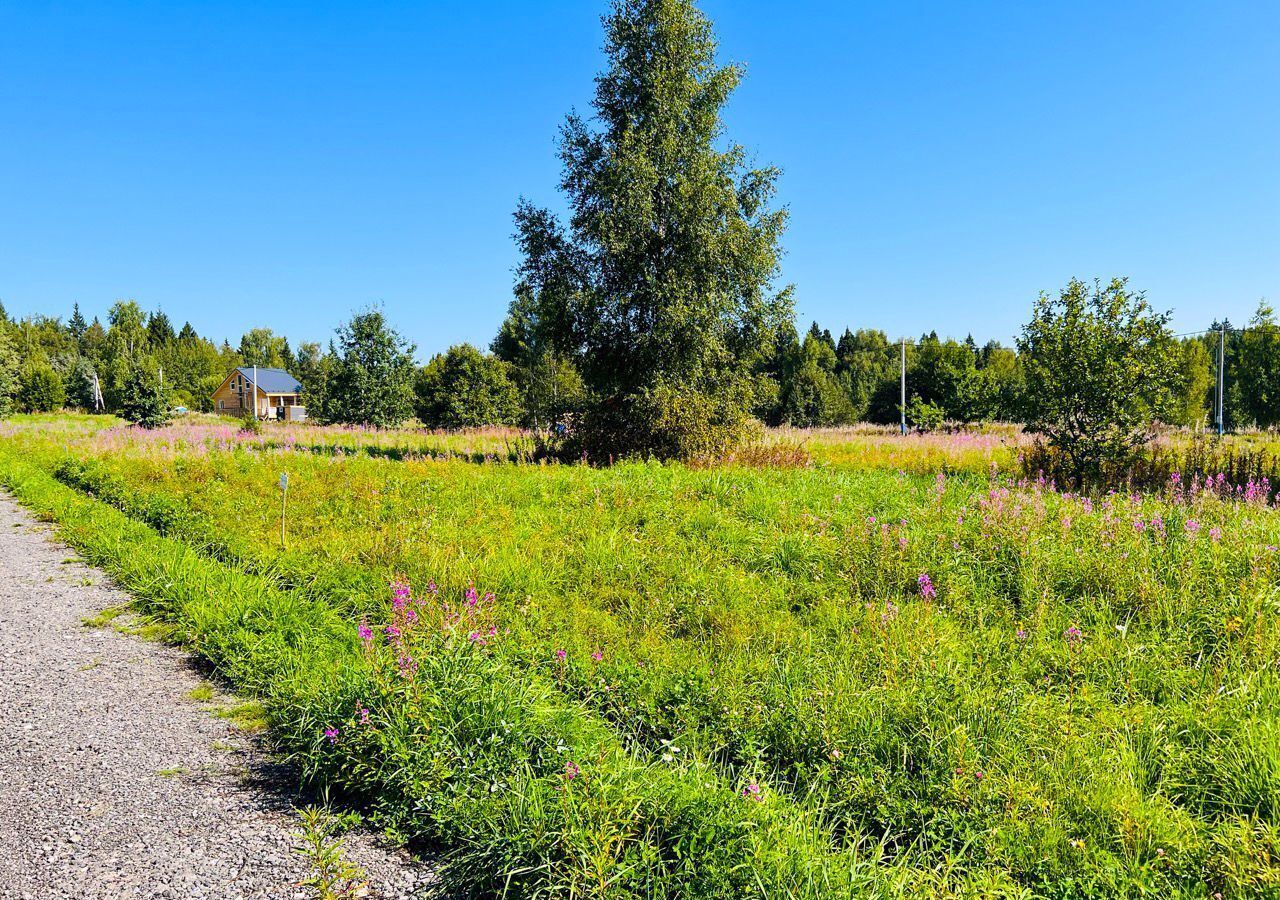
(114, 782)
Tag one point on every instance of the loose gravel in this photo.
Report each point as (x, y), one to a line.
(114, 783)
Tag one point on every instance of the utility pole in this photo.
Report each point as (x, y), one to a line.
(903, 407)
(1222, 356)
(255, 392)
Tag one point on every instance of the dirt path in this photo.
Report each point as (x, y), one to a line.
(113, 781)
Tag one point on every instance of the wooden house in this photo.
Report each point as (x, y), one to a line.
(278, 394)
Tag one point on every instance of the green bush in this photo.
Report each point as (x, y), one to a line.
(40, 388)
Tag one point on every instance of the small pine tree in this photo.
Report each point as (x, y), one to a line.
(77, 326)
(143, 402)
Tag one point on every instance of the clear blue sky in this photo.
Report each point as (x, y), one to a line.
(243, 164)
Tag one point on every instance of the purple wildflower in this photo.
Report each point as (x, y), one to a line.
(561, 655)
(927, 590)
(331, 735)
(571, 771)
(598, 655)
(365, 632)
(1073, 635)
(408, 665)
(753, 792)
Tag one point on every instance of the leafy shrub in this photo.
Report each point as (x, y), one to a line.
(1100, 369)
(40, 388)
(924, 416)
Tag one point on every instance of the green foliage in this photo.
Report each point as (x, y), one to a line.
(319, 841)
(8, 371)
(372, 374)
(263, 347)
(923, 415)
(80, 384)
(464, 388)
(811, 393)
(1255, 369)
(1100, 370)
(661, 287)
(40, 388)
(144, 401)
(1195, 381)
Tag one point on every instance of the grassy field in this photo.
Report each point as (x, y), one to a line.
(894, 671)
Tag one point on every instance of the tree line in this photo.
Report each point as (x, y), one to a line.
(649, 319)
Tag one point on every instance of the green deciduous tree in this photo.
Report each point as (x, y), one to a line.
(263, 347)
(662, 284)
(464, 388)
(371, 382)
(1254, 369)
(40, 388)
(1098, 372)
(8, 369)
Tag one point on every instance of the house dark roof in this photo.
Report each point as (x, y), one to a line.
(272, 381)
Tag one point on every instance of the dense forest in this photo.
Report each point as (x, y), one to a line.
(804, 380)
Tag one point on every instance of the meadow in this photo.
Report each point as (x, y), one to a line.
(900, 668)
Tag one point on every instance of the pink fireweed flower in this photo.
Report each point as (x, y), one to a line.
(364, 716)
(598, 655)
(476, 637)
(1073, 635)
(890, 612)
(927, 590)
(472, 596)
(399, 593)
(1191, 526)
(1215, 534)
(365, 632)
(753, 792)
(392, 633)
(331, 735)
(571, 771)
(1020, 634)
(561, 655)
(408, 665)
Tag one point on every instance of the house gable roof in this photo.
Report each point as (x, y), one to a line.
(272, 381)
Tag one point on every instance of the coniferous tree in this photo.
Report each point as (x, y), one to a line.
(144, 400)
(77, 326)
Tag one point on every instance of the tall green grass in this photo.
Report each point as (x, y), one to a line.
(758, 632)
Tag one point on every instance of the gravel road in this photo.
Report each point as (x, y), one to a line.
(113, 782)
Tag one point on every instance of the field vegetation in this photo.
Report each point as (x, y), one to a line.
(899, 669)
